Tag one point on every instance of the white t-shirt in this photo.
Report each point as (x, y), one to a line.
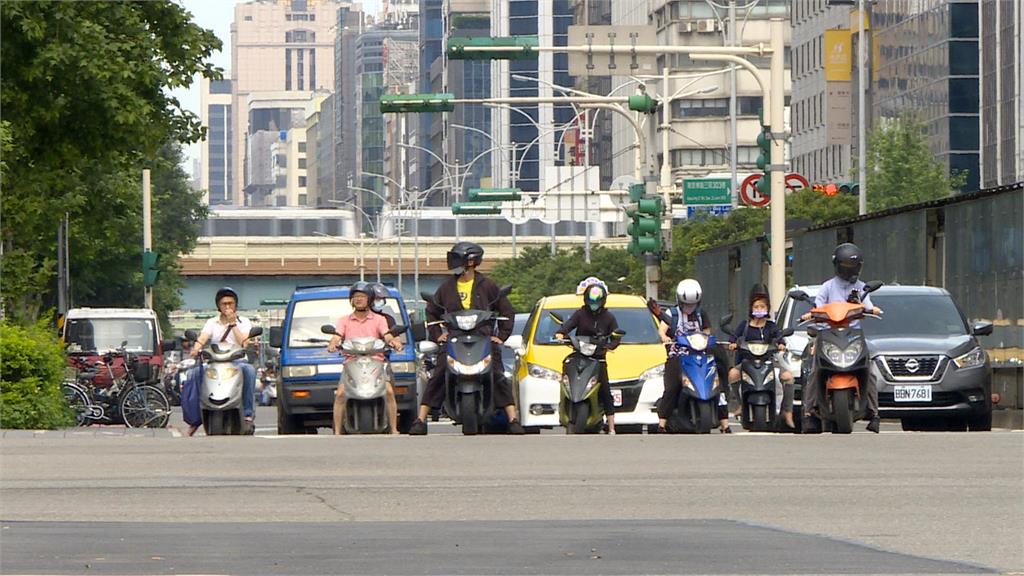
(215, 329)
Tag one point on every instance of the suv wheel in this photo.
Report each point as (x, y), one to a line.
(288, 424)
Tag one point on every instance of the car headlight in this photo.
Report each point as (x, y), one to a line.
(842, 357)
(973, 358)
(541, 372)
(656, 373)
(299, 371)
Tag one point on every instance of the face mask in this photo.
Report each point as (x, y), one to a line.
(689, 308)
(378, 306)
(759, 314)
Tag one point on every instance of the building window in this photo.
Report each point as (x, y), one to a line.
(312, 69)
(300, 66)
(248, 18)
(302, 181)
(302, 147)
(287, 68)
(298, 5)
(302, 163)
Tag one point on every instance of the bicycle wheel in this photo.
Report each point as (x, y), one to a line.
(78, 401)
(145, 407)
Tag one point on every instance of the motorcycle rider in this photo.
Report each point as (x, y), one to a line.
(467, 289)
(379, 302)
(593, 319)
(759, 328)
(687, 316)
(231, 329)
(848, 261)
(363, 323)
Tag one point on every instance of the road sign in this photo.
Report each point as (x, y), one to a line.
(603, 64)
(749, 193)
(707, 191)
(698, 212)
(795, 182)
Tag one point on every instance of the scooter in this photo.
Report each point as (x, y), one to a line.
(469, 377)
(579, 409)
(759, 378)
(702, 391)
(840, 355)
(365, 379)
(220, 396)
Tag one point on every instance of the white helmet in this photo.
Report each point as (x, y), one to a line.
(688, 292)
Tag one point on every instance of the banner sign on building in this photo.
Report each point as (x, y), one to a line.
(838, 56)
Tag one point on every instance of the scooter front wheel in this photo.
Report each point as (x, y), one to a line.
(580, 415)
(470, 424)
(841, 407)
(214, 423)
(705, 421)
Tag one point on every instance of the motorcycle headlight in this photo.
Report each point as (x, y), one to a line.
(973, 358)
(590, 384)
(587, 348)
(229, 372)
(211, 373)
(469, 369)
(536, 371)
(698, 342)
(466, 322)
(298, 371)
(656, 373)
(843, 357)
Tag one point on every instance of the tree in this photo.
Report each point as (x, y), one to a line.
(901, 168)
(85, 90)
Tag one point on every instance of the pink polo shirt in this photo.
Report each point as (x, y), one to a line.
(372, 326)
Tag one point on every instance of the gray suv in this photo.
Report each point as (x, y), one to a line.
(932, 372)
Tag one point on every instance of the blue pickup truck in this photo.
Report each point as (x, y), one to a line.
(308, 375)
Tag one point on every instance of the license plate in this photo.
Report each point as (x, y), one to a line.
(912, 393)
(616, 397)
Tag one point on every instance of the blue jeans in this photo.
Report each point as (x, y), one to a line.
(248, 385)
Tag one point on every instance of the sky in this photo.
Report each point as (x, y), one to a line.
(217, 15)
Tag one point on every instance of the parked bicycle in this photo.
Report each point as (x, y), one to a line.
(136, 405)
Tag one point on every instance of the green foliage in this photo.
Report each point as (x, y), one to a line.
(694, 236)
(86, 92)
(901, 168)
(817, 208)
(31, 367)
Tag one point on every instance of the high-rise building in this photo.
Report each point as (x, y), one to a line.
(349, 23)
(596, 13)
(320, 153)
(216, 170)
(1002, 128)
(276, 159)
(278, 45)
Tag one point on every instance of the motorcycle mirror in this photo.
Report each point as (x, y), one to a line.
(168, 345)
(786, 333)
(557, 319)
(328, 329)
(397, 329)
(812, 331)
(504, 291)
(872, 286)
(427, 297)
(665, 318)
(276, 336)
(255, 331)
(618, 334)
(724, 322)
(191, 335)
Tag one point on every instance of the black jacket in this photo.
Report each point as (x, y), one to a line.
(485, 292)
(586, 323)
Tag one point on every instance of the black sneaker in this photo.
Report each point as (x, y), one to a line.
(874, 424)
(810, 425)
(514, 427)
(726, 430)
(418, 428)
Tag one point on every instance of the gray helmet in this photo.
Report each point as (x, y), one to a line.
(380, 296)
(363, 287)
(225, 291)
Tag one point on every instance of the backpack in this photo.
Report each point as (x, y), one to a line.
(190, 386)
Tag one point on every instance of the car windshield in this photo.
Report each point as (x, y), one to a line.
(915, 315)
(104, 334)
(799, 309)
(636, 322)
(309, 315)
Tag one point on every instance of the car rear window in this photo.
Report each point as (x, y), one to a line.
(105, 334)
(636, 322)
(915, 315)
(309, 315)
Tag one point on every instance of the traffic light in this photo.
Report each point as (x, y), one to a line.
(645, 230)
(503, 48)
(494, 194)
(764, 161)
(642, 103)
(400, 103)
(849, 188)
(476, 208)
(150, 267)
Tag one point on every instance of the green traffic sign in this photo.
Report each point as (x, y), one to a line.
(707, 191)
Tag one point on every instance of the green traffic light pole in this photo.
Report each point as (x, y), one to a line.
(773, 97)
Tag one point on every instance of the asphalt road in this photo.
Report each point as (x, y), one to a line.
(745, 504)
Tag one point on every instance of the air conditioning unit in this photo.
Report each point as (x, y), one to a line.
(687, 26)
(707, 25)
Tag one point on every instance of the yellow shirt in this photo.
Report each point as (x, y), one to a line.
(465, 293)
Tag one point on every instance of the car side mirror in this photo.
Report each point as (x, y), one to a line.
(397, 329)
(515, 342)
(786, 333)
(799, 295)
(812, 331)
(255, 331)
(982, 329)
(872, 286)
(168, 345)
(191, 335)
(276, 336)
(427, 347)
(328, 329)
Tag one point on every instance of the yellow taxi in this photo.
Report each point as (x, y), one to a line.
(635, 368)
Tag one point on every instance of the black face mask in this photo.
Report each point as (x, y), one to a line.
(456, 263)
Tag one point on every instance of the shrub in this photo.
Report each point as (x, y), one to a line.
(31, 368)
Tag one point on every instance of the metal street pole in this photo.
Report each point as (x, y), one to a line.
(147, 230)
(733, 129)
(862, 200)
(778, 157)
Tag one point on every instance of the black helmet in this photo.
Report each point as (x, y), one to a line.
(464, 254)
(380, 295)
(848, 260)
(595, 296)
(363, 287)
(225, 291)
(759, 292)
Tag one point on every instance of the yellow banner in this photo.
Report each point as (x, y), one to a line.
(838, 56)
